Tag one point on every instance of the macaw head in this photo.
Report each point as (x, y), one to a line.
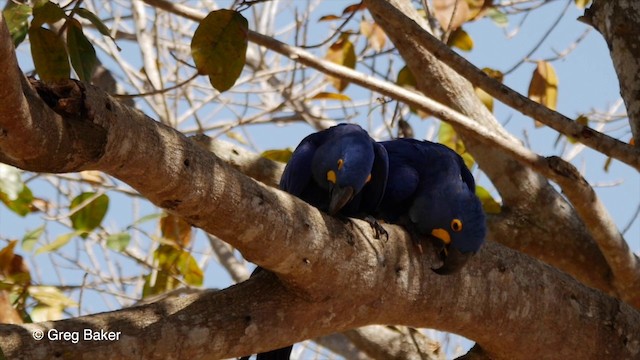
(453, 216)
(343, 166)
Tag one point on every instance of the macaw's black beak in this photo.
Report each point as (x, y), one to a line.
(340, 196)
(452, 261)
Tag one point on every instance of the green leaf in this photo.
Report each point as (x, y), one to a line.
(448, 136)
(282, 156)
(102, 28)
(90, 215)
(16, 16)
(31, 238)
(48, 12)
(406, 78)
(219, 47)
(119, 241)
(20, 205)
(147, 218)
(607, 164)
(49, 55)
(81, 51)
(489, 204)
(59, 242)
(498, 17)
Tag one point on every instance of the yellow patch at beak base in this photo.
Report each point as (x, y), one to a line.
(442, 235)
(331, 176)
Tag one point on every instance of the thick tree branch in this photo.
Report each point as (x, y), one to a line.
(618, 22)
(235, 322)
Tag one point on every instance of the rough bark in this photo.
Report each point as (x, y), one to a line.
(510, 303)
(618, 22)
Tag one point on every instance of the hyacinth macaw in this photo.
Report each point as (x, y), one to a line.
(340, 170)
(432, 193)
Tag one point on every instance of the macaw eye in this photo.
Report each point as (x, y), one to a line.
(456, 225)
(340, 164)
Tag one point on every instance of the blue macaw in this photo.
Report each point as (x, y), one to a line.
(432, 193)
(340, 170)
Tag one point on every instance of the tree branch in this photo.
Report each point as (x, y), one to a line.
(618, 23)
(233, 322)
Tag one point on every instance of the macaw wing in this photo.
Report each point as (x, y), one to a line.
(373, 192)
(466, 175)
(297, 174)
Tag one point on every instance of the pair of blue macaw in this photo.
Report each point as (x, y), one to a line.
(421, 185)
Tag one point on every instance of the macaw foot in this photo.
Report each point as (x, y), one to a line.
(378, 230)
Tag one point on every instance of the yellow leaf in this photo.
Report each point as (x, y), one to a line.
(282, 156)
(6, 257)
(461, 39)
(489, 204)
(175, 229)
(581, 4)
(374, 34)
(543, 88)
(353, 8)
(331, 96)
(445, 8)
(476, 8)
(582, 120)
(92, 176)
(407, 80)
(449, 137)
(329, 18)
(52, 296)
(237, 137)
(487, 99)
(342, 53)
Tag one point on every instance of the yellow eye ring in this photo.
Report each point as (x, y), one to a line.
(456, 225)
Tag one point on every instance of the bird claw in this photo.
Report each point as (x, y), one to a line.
(378, 230)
